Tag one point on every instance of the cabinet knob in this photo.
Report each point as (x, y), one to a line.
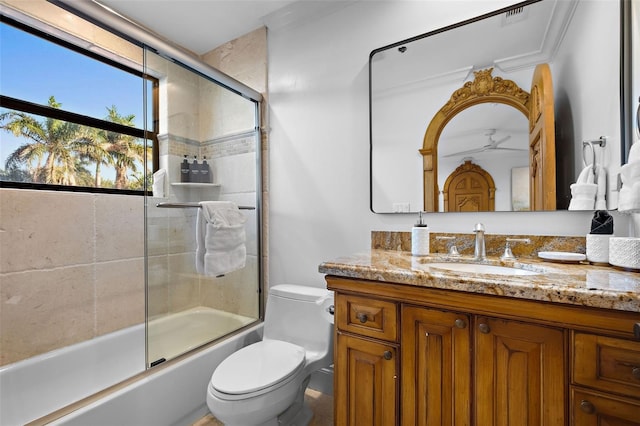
(484, 328)
(386, 355)
(362, 317)
(460, 323)
(636, 372)
(587, 407)
(636, 330)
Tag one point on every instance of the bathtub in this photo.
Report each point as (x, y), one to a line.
(174, 395)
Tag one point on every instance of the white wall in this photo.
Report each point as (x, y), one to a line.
(575, 71)
(319, 140)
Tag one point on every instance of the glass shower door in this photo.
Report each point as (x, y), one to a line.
(208, 150)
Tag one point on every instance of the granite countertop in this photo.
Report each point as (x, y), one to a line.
(576, 284)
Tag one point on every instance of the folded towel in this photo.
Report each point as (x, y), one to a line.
(629, 198)
(159, 179)
(629, 195)
(601, 181)
(583, 192)
(220, 238)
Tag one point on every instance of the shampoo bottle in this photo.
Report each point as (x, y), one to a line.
(194, 170)
(420, 238)
(184, 170)
(205, 171)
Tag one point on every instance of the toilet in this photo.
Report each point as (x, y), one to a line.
(264, 383)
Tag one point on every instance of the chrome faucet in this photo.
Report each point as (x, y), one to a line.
(508, 254)
(479, 252)
(453, 250)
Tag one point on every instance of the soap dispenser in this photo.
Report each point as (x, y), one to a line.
(420, 238)
(194, 170)
(184, 170)
(205, 171)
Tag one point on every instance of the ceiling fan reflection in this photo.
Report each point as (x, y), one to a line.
(493, 145)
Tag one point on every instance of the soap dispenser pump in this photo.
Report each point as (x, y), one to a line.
(420, 238)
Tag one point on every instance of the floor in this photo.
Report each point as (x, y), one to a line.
(321, 405)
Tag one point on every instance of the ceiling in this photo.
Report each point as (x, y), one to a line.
(202, 25)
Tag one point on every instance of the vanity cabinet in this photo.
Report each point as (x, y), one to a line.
(366, 352)
(606, 372)
(516, 370)
(414, 355)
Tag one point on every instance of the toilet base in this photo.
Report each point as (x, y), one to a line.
(298, 413)
(302, 418)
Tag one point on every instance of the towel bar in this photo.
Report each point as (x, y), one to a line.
(191, 205)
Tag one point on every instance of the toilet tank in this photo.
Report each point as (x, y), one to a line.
(300, 315)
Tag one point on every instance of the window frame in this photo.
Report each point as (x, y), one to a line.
(83, 120)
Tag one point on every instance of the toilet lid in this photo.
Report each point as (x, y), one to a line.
(257, 366)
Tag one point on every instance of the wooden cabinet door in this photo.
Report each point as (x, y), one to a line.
(520, 374)
(590, 408)
(436, 368)
(366, 382)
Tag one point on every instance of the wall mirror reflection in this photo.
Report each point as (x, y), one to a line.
(451, 111)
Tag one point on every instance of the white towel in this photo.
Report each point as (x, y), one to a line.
(220, 238)
(601, 181)
(629, 196)
(583, 192)
(159, 179)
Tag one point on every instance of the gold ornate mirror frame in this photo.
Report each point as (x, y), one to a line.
(483, 89)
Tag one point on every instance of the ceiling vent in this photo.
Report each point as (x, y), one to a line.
(516, 14)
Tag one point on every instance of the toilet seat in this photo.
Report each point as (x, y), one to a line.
(257, 369)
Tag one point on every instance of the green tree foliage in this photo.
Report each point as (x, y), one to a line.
(63, 153)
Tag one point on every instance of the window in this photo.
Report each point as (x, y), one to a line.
(72, 119)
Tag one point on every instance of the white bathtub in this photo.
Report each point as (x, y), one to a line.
(174, 395)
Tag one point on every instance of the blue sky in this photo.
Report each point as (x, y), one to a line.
(34, 69)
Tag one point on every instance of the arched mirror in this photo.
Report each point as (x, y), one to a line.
(534, 147)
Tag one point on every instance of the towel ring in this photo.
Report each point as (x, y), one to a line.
(602, 142)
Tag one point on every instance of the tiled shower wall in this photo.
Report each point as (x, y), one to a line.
(173, 283)
(71, 268)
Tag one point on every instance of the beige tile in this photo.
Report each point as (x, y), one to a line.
(119, 227)
(322, 407)
(158, 285)
(244, 58)
(45, 310)
(182, 231)
(208, 420)
(236, 292)
(120, 295)
(45, 229)
(184, 285)
(157, 232)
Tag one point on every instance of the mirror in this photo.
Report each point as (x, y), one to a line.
(411, 80)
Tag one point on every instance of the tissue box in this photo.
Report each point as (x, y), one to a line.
(624, 252)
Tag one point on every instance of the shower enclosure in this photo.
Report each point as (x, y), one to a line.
(112, 289)
(204, 124)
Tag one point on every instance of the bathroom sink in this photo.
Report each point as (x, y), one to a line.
(476, 268)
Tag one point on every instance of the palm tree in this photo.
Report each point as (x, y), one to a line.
(125, 150)
(52, 141)
(94, 148)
